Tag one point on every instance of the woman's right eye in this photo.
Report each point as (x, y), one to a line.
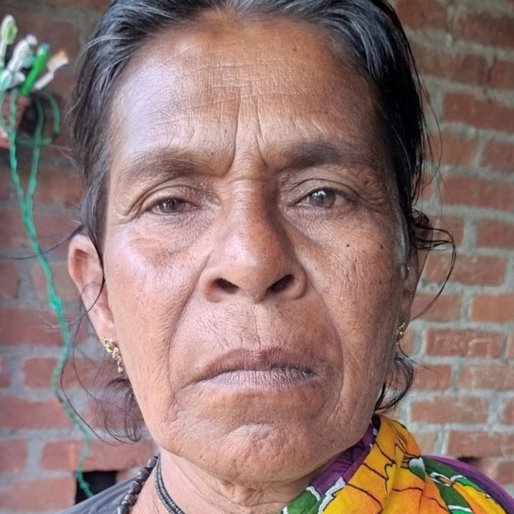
(324, 198)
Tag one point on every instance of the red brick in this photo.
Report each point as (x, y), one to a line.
(428, 14)
(28, 326)
(464, 343)
(453, 149)
(63, 455)
(5, 182)
(509, 354)
(465, 68)
(58, 182)
(493, 308)
(450, 409)
(38, 372)
(478, 192)
(63, 283)
(496, 468)
(46, 494)
(60, 187)
(495, 234)
(52, 229)
(508, 413)
(5, 372)
(436, 267)
(13, 455)
(452, 224)
(468, 269)
(436, 377)
(446, 308)
(499, 156)
(457, 149)
(496, 377)
(427, 441)
(479, 112)
(479, 444)
(502, 75)
(12, 232)
(500, 470)
(22, 413)
(483, 27)
(9, 280)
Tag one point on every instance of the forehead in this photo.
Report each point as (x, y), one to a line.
(224, 78)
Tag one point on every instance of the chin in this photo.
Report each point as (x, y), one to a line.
(258, 453)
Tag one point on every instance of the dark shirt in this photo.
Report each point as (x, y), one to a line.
(105, 502)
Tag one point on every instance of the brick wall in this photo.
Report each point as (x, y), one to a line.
(463, 400)
(462, 404)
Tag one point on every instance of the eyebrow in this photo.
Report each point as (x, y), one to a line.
(175, 162)
(160, 162)
(308, 154)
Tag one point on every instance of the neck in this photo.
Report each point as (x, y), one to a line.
(195, 491)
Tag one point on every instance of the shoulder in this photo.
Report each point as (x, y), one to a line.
(450, 473)
(105, 502)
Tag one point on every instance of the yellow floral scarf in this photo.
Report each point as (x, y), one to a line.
(393, 478)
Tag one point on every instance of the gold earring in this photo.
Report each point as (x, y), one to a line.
(112, 349)
(400, 332)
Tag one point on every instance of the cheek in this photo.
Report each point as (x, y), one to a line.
(145, 276)
(148, 292)
(358, 269)
(359, 280)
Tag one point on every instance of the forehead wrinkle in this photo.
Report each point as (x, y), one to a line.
(180, 106)
(182, 43)
(180, 54)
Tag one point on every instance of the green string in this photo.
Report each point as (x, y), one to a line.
(26, 202)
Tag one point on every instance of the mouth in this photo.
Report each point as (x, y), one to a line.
(272, 369)
(274, 378)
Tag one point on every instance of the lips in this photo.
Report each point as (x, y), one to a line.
(274, 368)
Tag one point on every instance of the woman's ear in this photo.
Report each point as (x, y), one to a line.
(412, 270)
(85, 268)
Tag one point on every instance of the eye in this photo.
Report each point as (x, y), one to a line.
(322, 198)
(172, 206)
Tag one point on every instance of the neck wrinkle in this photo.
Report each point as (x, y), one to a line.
(194, 490)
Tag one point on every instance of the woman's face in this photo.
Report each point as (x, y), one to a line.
(253, 256)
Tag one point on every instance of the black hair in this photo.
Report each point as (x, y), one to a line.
(367, 31)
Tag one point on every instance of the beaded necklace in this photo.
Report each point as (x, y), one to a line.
(135, 487)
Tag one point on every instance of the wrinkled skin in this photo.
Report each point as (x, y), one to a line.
(255, 267)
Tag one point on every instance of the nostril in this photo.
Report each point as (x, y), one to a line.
(226, 285)
(281, 284)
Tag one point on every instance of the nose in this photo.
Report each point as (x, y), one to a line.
(253, 258)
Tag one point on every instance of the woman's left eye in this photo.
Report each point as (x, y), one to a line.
(323, 198)
(172, 206)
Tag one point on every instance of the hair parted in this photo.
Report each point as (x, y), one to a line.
(367, 31)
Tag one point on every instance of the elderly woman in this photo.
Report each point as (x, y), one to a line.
(251, 252)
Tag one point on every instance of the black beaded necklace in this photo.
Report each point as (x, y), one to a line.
(163, 494)
(130, 498)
